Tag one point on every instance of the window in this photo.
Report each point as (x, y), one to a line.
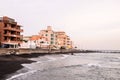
(5, 38)
(52, 42)
(5, 32)
(5, 25)
(52, 38)
(52, 35)
(46, 35)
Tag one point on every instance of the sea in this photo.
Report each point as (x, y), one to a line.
(79, 66)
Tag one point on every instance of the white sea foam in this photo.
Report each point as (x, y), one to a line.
(64, 56)
(51, 58)
(21, 74)
(33, 66)
(94, 64)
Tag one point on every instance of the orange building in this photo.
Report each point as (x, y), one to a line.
(63, 40)
(10, 33)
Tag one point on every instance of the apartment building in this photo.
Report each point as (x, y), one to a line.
(60, 38)
(56, 39)
(34, 41)
(49, 34)
(10, 33)
(40, 41)
(69, 43)
(63, 40)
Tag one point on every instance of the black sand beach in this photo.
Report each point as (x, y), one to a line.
(91, 66)
(11, 63)
(97, 66)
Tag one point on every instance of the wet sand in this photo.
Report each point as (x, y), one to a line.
(11, 63)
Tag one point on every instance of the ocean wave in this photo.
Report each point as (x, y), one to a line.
(94, 65)
(21, 74)
(33, 66)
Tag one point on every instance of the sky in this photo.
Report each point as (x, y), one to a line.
(91, 24)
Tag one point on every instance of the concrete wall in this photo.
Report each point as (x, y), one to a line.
(4, 51)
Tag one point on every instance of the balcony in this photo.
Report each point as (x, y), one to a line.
(11, 42)
(13, 29)
(8, 34)
(7, 28)
(13, 35)
(19, 36)
(12, 22)
(19, 30)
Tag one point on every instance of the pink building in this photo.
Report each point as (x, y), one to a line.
(56, 39)
(49, 34)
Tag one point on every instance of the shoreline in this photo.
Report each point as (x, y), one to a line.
(11, 63)
(94, 64)
(8, 51)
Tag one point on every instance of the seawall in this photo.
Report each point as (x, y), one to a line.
(4, 51)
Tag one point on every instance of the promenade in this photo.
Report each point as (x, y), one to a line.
(4, 51)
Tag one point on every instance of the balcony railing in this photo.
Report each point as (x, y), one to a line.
(13, 29)
(13, 35)
(11, 41)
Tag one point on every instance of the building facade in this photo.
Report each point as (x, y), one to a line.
(34, 41)
(56, 39)
(63, 40)
(10, 33)
(49, 34)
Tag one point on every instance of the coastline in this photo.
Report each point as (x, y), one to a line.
(93, 66)
(11, 51)
(10, 64)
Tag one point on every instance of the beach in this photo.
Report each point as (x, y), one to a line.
(79, 66)
(11, 63)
